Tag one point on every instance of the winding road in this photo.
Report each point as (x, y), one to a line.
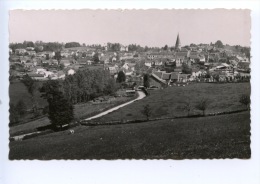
(141, 95)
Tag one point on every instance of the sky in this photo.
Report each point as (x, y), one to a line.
(154, 28)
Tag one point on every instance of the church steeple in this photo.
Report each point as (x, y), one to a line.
(178, 43)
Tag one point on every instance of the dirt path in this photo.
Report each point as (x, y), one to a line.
(141, 95)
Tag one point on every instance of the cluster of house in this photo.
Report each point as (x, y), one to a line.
(44, 65)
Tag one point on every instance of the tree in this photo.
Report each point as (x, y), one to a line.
(186, 69)
(147, 111)
(219, 44)
(57, 56)
(72, 44)
(111, 87)
(186, 106)
(31, 86)
(146, 80)
(14, 116)
(165, 47)
(21, 108)
(60, 109)
(245, 100)
(96, 58)
(202, 105)
(121, 77)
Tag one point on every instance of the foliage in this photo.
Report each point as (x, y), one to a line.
(245, 100)
(14, 116)
(186, 106)
(96, 58)
(20, 108)
(219, 44)
(147, 111)
(121, 77)
(202, 105)
(31, 86)
(165, 47)
(72, 44)
(146, 80)
(52, 46)
(60, 109)
(186, 69)
(57, 56)
(88, 84)
(113, 47)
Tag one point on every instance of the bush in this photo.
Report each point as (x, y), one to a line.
(245, 100)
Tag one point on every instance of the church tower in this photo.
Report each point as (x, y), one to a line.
(178, 43)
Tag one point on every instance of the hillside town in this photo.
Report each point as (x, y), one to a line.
(166, 66)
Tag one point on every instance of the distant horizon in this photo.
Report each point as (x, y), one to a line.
(152, 28)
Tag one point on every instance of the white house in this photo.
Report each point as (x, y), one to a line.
(71, 72)
(148, 63)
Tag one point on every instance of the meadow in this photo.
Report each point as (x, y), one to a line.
(166, 102)
(223, 136)
(18, 91)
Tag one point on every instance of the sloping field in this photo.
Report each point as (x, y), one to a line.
(165, 102)
(224, 136)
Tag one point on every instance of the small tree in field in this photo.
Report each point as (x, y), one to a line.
(146, 80)
(202, 105)
(186, 106)
(245, 100)
(147, 111)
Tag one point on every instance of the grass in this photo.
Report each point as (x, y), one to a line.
(164, 103)
(80, 111)
(29, 127)
(225, 136)
(83, 110)
(18, 91)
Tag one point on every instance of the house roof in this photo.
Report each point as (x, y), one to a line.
(166, 76)
(181, 54)
(177, 70)
(35, 75)
(183, 75)
(60, 73)
(174, 75)
(158, 74)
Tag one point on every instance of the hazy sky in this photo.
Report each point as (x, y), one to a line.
(144, 27)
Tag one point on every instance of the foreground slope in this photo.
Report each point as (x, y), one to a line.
(224, 136)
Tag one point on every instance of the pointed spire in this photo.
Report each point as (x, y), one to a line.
(178, 43)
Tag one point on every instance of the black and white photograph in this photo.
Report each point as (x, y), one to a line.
(129, 84)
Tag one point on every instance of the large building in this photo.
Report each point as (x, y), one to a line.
(178, 43)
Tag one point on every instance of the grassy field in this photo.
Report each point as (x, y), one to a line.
(164, 102)
(224, 136)
(18, 91)
(80, 111)
(83, 110)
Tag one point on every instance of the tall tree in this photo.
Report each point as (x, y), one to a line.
(96, 58)
(146, 80)
(31, 86)
(60, 109)
(57, 56)
(121, 77)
